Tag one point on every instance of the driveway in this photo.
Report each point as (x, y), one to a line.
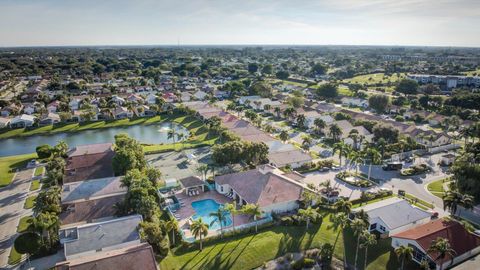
(12, 199)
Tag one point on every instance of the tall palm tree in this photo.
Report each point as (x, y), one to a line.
(319, 125)
(284, 136)
(277, 110)
(203, 170)
(171, 134)
(220, 217)
(307, 141)
(358, 226)
(254, 211)
(301, 120)
(339, 222)
(46, 223)
(199, 230)
(368, 240)
(180, 139)
(452, 199)
(232, 208)
(343, 206)
(171, 225)
(342, 149)
(308, 214)
(335, 132)
(443, 248)
(404, 252)
(373, 157)
(355, 158)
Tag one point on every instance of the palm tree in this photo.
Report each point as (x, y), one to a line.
(46, 223)
(301, 120)
(199, 230)
(404, 252)
(180, 139)
(203, 170)
(319, 125)
(254, 211)
(339, 222)
(308, 214)
(452, 199)
(355, 158)
(172, 133)
(342, 149)
(381, 145)
(335, 132)
(343, 206)
(368, 240)
(171, 225)
(373, 157)
(277, 110)
(232, 208)
(353, 134)
(358, 226)
(307, 140)
(443, 248)
(220, 217)
(283, 136)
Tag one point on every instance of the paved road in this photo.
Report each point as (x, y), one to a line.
(12, 199)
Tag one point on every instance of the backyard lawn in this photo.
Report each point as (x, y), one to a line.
(200, 135)
(9, 164)
(23, 224)
(29, 202)
(375, 78)
(252, 250)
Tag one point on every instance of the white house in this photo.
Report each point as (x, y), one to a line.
(118, 100)
(356, 102)
(74, 104)
(29, 108)
(464, 243)
(393, 215)
(200, 95)
(312, 115)
(23, 120)
(267, 186)
(248, 99)
(53, 106)
(4, 122)
(151, 98)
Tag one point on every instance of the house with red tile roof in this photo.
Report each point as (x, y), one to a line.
(90, 161)
(464, 243)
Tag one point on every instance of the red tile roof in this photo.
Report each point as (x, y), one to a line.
(89, 162)
(91, 210)
(460, 239)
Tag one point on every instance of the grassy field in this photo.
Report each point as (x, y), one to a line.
(419, 202)
(372, 201)
(436, 188)
(35, 185)
(200, 136)
(252, 250)
(375, 78)
(9, 164)
(75, 127)
(29, 202)
(23, 224)
(39, 171)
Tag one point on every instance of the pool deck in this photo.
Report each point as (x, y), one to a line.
(187, 211)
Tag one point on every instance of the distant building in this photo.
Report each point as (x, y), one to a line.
(448, 82)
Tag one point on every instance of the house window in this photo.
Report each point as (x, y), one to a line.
(221, 188)
(373, 226)
(382, 228)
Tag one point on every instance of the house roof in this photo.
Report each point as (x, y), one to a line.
(97, 236)
(139, 256)
(90, 149)
(395, 212)
(459, 238)
(263, 185)
(192, 181)
(90, 189)
(89, 210)
(89, 162)
(281, 159)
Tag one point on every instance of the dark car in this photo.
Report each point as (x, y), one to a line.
(392, 166)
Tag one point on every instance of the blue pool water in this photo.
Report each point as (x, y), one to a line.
(203, 209)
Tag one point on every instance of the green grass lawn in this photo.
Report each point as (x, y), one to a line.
(199, 135)
(436, 188)
(375, 78)
(39, 171)
(75, 127)
(372, 201)
(35, 185)
(23, 224)
(472, 73)
(419, 202)
(9, 164)
(29, 202)
(252, 250)
(14, 256)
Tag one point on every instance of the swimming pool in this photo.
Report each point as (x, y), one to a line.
(203, 209)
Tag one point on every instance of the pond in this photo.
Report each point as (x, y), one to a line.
(148, 134)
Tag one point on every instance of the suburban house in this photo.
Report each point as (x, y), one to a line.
(11, 109)
(89, 161)
(200, 95)
(310, 117)
(139, 256)
(464, 243)
(49, 119)
(151, 98)
(22, 121)
(4, 122)
(118, 100)
(267, 186)
(53, 106)
(393, 215)
(354, 102)
(74, 104)
(91, 200)
(293, 158)
(122, 113)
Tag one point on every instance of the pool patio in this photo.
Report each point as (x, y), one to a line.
(186, 211)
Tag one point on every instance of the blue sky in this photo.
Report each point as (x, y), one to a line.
(147, 22)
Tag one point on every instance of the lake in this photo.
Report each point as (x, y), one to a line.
(148, 134)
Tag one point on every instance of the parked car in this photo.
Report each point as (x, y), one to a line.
(392, 166)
